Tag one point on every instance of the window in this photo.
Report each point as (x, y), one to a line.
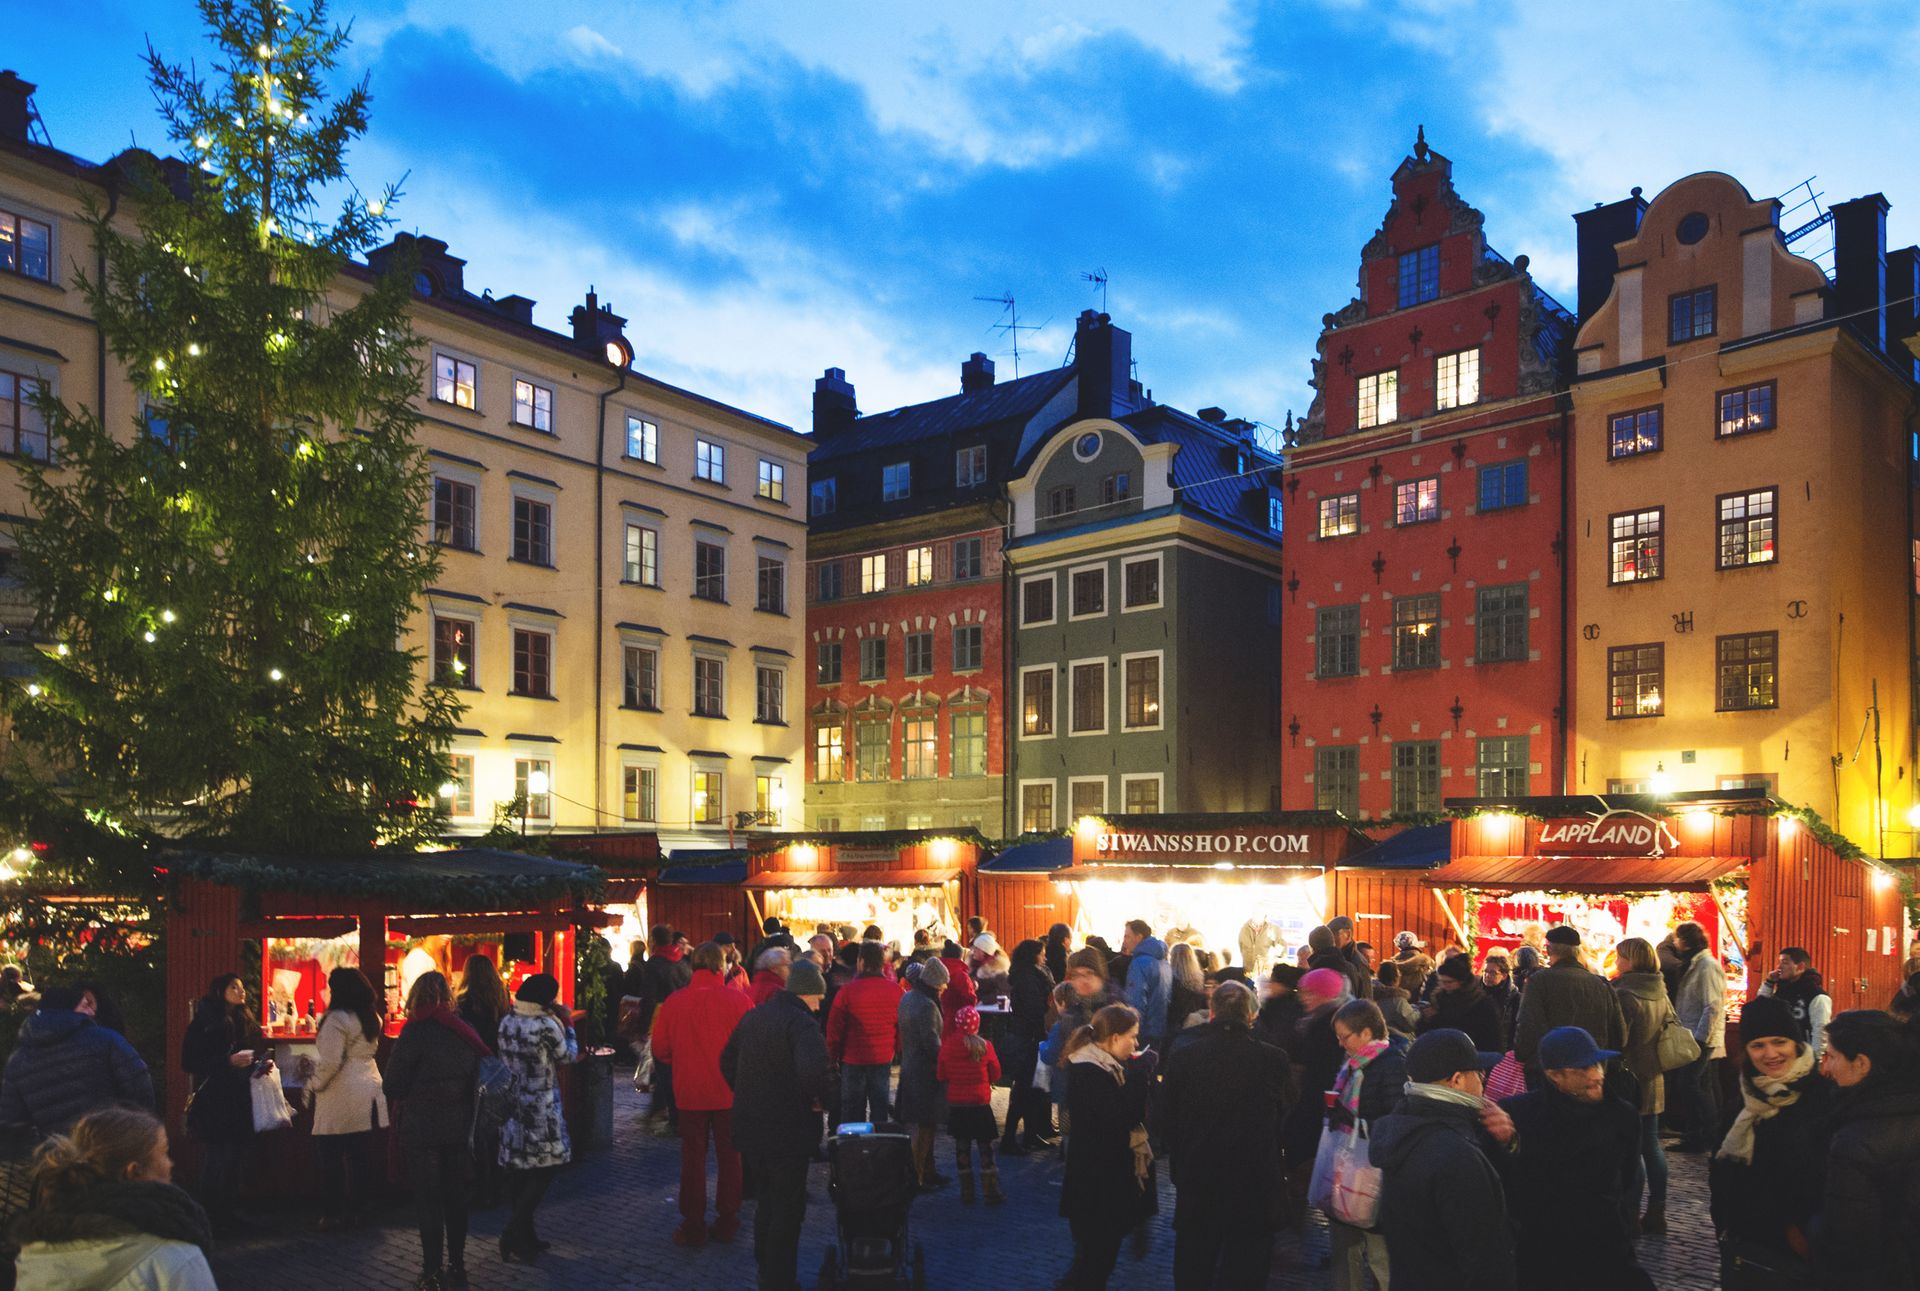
(872, 748)
(826, 581)
(769, 799)
(1633, 433)
(919, 566)
(532, 406)
(1117, 487)
(642, 556)
(528, 772)
(1747, 671)
(1416, 501)
(1690, 315)
(896, 481)
(968, 647)
(709, 686)
(1636, 680)
(1419, 275)
(1036, 806)
(1763, 780)
(1746, 527)
(23, 430)
(453, 653)
(1060, 500)
(920, 736)
(1036, 701)
(1340, 516)
(639, 793)
(770, 695)
(1036, 601)
(1504, 485)
(1416, 777)
(453, 513)
(873, 573)
(1140, 795)
(26, 246)
(1089, 697)
(1141, 674)
(873, 659)
(970, 466)
(640, 677)
(532, 532)
(826, 663)
(822, 497)
(1500, 624)
(1416, 632)
(460, 801)
(773, 481)
(1336, 779)
(1633, 545)
(770, 584)
(709, 461)
(1336, 635)
(709, 797)
(1379, 399)
(709, 571)
(453, 381)
(829, 754)
(1140, 583)
(1086, 797)
(968, 558)
(1089, 591)
(1745, 410)
(643, 440)
(969, 746)
(1503, 766)
(533, 663)
(919, 654)
(1456, 379)
(1276, 514)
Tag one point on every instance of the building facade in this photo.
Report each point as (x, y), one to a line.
(1421, 657)
(617, 601)
(1743, 490)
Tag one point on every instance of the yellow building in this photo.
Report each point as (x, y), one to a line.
(622, 560)
(1743, 590)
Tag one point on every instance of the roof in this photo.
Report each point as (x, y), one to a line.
(728, 868)
(1005, 402)
(895, 838)
(1419, 848)
(1040, 856)
(867, 876)
(1585, 873)
(465, 878)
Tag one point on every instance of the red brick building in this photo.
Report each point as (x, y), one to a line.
(1422, 650)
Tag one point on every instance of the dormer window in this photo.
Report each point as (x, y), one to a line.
(1419, 276)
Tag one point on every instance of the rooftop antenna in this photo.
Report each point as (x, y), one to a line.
(1009, 324)
(1821, 216)
(1099, 279)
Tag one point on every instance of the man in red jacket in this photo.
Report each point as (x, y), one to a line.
(690, 1029)
(861, 1034)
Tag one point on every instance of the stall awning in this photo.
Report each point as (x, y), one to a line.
(1044, 856)
(1585, 873)
(1419, 848)
(705, 872)
(879, 878)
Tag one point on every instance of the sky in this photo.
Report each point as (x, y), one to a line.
(767, 189)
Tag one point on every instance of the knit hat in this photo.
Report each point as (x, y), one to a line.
(1407, 941)
(1458, 967)
(986, 944)
(805, 979)
(1326, 983)
(1089, 958)
(541, 988)
(1340, 923)
(1287, 975)
(1765, 1015)
(934, 973)
(967, 1021)
(1561, 935)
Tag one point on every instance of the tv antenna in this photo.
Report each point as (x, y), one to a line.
(1009, 324)
(1099, 279)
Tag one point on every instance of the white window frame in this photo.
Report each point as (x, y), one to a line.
(1458, 388)
(433, 378)
(1073, 782)
(631, 764)
(719, 540)
(1053, 810)
(770, 786)
(1159, 583)
(919, 565)
(771, 482)
(1073, 574)
(473, 785)
(1053, 600)
(775, 557)
(545, 799)
(1385, 399)
(709, 460)
(652, 646)
(888, 491)
(780, 716)
(700, 656)
(1320, 514)
(719, 820)
(37, 215)
(649, 439)
(1161, 723)
(463, 479)
(873, 574)
(470, 679)
(1106, 694)
(967, 458)
(1159, 780)
(829, 493)
(1020, 703)
(631, 527)
(546, 630)
(534, 388)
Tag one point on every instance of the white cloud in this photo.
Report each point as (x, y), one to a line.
(589, 43)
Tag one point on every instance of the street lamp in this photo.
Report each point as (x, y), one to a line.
(538, 782)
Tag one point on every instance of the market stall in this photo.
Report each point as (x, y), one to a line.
(699, 893)
(1017, 894)
(629, 859)
(1381, 890)
(900, 880)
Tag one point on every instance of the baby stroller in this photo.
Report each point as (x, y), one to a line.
(870, 1178)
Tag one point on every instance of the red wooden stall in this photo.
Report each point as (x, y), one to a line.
(1017, 894)
(699, 894)
(900, 879)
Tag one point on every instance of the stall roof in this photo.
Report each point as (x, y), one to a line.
(1041, 855)
(464, 878)
(880, 878)
(1585, 873)
(1419, 848)
(895, 838)
(1188, 872)
(725, 868)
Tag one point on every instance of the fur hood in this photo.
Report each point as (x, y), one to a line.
(116, 1210)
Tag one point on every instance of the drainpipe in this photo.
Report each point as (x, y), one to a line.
(600, 598)
(1566, 589)
(1912, 573)
(1009, 701)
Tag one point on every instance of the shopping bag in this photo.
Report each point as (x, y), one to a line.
(495, 1092)
(1320, 1182)
(1043, 1076)
(643, 1069)
(1354, 1188)
(1507, 1079)
(270, 1108)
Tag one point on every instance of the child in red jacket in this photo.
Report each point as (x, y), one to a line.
(970, 1067)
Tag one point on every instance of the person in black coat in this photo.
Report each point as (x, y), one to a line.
(777, 1065)
(1103, 1194)
(1461, 1003)
(1868, 1234)
(1221, 1101)
(1573, 1184)
(1317, 1059)
(666, 971)
(1028, 986)
(1059, 946)
(223, 1050)
(1280, 1008)
(1369, 1086)
(432, 1075)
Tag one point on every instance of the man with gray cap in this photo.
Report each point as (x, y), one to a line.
(776, 1063)
(1356, 965)
(1566, 994)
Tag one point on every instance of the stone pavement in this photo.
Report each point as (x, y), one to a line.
(609, 1217)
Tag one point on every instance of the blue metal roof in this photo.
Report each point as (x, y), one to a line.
(720, 867)
(1040, 856)
(1422, 847)
(1005, 402)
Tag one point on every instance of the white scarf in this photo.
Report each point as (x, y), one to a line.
(1762, 1097)
(1097, 1054)
(1445, 1094)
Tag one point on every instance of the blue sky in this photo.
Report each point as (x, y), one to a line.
(767, 188)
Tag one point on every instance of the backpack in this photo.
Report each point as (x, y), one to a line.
(495, 1094)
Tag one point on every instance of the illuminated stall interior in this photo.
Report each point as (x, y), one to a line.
(899, 880)
(1216, 903)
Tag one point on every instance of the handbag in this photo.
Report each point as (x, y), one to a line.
(271, 1110)
(643, 1069)
(494, 1091)
(1507, 1079)
(1676, 1047)
(1043, 1076)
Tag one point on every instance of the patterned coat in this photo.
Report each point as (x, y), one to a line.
(533, 1044)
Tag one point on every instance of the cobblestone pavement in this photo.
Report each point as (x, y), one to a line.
(609, 1217)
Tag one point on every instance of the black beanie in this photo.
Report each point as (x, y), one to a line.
(1765, 1015)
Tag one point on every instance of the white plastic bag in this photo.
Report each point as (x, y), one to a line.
(270, 1108)
(1345, 1184)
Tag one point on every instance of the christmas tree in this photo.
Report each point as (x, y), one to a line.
(222, 588)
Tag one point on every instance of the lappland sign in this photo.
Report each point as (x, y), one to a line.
(1608, 833)
(1198, 845)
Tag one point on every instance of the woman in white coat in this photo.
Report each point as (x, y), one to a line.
(348, 1101)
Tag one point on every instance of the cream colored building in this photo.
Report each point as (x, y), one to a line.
(621, 596)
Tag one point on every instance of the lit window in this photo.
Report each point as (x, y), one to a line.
(532, 406)
(873, 749)
(26, 246)
(1746, 528)
(1633, 433)
(1416, 501)
(1140, 795)
(1142, 680)
(1340, 516)
(23, 429)
(773, 481)
(1636, 680)
(1379, 399)
(453, 653)
(920, 734)
(709, 686)
(460, 803)
(709, 797)
(1036, 701)
(638, 793)
(454, 381)
(873, 573)
(1457, 379)
(1086, 798)
(896, 481)
(919, 566)
(533, 663)
(1747, 409)
(1416, 632)
(1747, 670)
(709, 571)
(643, 440)
(1036, 806)
(709, 461)
(528, 772)
(640, 677)
(969, 746)
(642, 563)
(1633, 545)
(769, 799)
(1419, 276)
(829, 754)
(1690, 315)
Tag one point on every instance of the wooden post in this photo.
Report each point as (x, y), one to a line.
(1440, 895)
(373, 951)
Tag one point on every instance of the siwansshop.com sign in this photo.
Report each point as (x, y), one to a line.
(1609, 833)
(1198, 845)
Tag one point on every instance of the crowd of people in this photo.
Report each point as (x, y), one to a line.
(1453, 1127)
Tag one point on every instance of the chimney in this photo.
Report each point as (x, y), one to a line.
(976, 374)
(16, 106)
(1903, 307)
(444, 274)
(1213, 416)
(518, 308)
(1596, 233)
(833, 404)
(595, 324)
(1103, 365)
(1860, 267)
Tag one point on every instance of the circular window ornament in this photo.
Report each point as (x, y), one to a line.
(1692, 228)
(1087, 447)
